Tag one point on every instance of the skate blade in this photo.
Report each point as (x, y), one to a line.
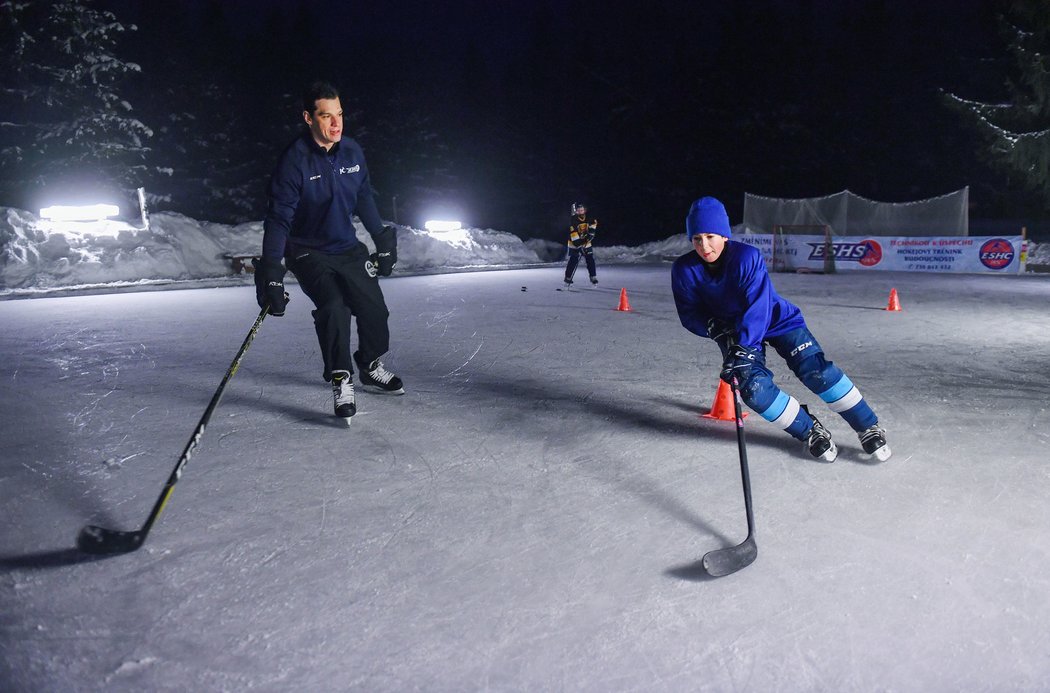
(380, 391)
(880, 455)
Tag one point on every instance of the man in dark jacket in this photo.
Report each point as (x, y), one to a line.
(319, 184)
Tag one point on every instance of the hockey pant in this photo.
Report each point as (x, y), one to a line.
(574, 261)
(805, 358)
(343, 286)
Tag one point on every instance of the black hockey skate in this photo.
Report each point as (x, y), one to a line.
(343, 395)
(376, 378)
(873, 440)
(594, 280)
(819, 443)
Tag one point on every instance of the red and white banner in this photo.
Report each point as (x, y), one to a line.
(988, 254)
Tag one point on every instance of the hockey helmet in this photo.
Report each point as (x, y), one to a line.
(579, 208)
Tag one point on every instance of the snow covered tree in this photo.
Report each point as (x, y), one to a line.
(1018, 129)
(62, 117)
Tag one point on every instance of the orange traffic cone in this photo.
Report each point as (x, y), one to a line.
(722, 408)
(624, 305)
(895, 303)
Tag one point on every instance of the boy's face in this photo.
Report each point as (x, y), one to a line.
(326, 122)
(709, 246)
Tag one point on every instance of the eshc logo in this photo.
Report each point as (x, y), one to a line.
(997, 253)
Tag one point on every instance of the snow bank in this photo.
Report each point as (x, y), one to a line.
(39, 256)
(428, 250)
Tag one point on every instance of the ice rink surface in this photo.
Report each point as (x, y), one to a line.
(531, 514)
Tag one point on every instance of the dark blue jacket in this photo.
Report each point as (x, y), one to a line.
(738, 292)
(313, 196)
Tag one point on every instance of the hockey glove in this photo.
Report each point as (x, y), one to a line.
(269, 285)
(719, 330)
(738, 363)
(386, 251)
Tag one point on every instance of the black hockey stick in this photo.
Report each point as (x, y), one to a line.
(729, 560)
(94, 539)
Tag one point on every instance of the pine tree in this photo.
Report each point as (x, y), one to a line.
(1018, 130)
(62, 114)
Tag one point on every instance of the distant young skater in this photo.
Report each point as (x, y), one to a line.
(581, 237)
(723, 291)
(319, 184)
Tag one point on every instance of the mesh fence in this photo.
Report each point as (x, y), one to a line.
(847, 214)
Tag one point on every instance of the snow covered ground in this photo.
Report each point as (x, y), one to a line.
(530, 515)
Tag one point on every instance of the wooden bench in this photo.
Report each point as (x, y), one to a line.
(242, 264)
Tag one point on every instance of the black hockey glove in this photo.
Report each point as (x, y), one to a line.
(385, 256)
(738, 363)
(719, 330)
(269, 285)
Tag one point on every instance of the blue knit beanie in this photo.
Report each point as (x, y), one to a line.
(707, 215)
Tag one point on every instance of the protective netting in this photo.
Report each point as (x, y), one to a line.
(852, 215)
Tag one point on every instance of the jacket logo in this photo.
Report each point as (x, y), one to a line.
(315, 177)
(350, 169)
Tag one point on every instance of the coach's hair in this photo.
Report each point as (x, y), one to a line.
(318, 90)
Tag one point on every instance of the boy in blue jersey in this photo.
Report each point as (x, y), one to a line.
(319, 184)
(723, 291)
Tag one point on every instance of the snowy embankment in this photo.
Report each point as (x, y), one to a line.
(38, 256)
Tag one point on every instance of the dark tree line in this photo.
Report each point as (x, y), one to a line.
(1016, 127)
(510, 111)
(64, 121)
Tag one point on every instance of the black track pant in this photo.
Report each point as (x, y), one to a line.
(342, 286)
(574, 260)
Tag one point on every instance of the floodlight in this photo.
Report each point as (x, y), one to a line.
(81, 213)
(436, 225)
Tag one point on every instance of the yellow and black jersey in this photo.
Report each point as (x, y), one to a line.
(581, 231)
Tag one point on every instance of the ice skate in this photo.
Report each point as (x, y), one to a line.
(873, 440)
(343, 395)
(376, 378)
(594, 281)
(819, 443)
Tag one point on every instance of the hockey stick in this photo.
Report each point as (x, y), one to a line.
(94, 539)
(729, 560)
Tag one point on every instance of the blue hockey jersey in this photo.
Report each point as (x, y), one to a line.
(313, 197)
(738, 291)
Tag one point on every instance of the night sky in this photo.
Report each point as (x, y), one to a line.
(503, 113)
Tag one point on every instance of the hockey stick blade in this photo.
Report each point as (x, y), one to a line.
(99, 540)
(721, 562)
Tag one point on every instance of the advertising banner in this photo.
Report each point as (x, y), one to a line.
(985, 254)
